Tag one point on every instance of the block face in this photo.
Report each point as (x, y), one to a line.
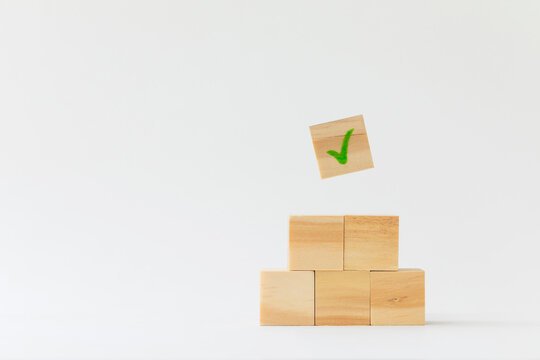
(342, 298)
(398, 297)
(316, 243)
(287, 298)
(371, 243)
(330, 136)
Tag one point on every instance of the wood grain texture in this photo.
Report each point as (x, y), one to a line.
(329, 136)
(316, 243)
(371, 242)
(398, 297)
(287, 298)
(342, 298)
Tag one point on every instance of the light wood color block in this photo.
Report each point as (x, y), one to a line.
(371, 242)
(329, 136)
(287, 298)
(342, 298)
(398, 297)
(316, 243)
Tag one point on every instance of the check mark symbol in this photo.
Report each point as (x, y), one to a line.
(341, 157)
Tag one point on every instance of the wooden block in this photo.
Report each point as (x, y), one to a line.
(397, 297)
(330, 136)
(342, 298)
(371, 243)
(316, 243)
(287, 298)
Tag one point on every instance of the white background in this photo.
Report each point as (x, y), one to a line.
(151, 153)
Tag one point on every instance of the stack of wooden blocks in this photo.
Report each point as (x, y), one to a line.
(343, 270)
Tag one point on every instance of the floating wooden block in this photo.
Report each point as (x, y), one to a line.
(316, 243)
(287, 298)
(342, 297)
(397, 297)
(329, 136)
(371, 242)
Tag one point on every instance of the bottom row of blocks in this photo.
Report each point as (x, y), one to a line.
(343, 297)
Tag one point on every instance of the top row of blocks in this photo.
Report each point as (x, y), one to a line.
(343, 242)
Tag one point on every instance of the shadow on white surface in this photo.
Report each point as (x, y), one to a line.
(482, 323)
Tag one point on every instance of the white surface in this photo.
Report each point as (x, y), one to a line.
(151, 152)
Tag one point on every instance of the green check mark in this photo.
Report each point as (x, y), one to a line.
(342, 156)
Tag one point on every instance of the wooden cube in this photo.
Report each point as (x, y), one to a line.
(342, 298)
(341, 146)
(287, 298)
(316, 243)
(397, 297)
(371, 242)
